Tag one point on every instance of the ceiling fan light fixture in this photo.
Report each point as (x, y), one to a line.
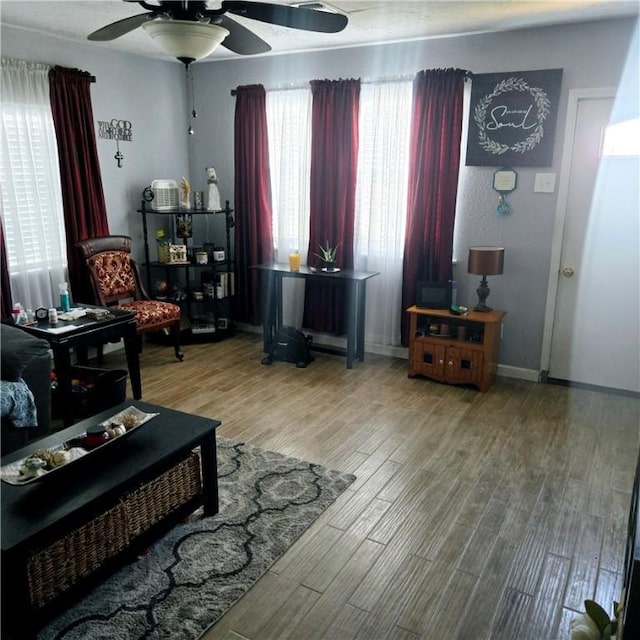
(184, 39)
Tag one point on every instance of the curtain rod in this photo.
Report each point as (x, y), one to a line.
(304, 85)
(51, 66)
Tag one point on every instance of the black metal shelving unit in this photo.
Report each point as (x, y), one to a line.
(204, 291)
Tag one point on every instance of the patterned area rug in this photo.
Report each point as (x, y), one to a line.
(194, 574)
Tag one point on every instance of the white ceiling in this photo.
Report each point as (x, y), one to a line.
(370, 21)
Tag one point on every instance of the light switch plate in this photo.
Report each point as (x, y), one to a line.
(545, 183)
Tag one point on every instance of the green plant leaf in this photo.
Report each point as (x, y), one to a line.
(327, 254)
(597, 614)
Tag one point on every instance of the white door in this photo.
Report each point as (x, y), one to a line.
(596, 321)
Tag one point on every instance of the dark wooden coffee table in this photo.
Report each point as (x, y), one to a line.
(69, 530)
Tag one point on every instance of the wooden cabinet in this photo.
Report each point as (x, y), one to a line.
(455, 349)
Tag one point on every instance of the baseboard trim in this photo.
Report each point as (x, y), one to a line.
(324, 340)
(396, 352)
(248, 328)
(518, 372)
(631, 393)
(507, 371)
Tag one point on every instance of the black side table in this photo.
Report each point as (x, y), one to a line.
(75, 334)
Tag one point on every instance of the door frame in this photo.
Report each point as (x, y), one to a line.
(575, 96)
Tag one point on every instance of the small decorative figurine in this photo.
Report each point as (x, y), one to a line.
(185, 194)
(177, 254)
(213, 194)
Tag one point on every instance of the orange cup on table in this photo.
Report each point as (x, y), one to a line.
(294, 261)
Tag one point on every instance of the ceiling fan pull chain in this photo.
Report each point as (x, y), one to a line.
(193, 100)
(192, 112)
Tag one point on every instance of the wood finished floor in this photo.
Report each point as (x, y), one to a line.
(473, 516)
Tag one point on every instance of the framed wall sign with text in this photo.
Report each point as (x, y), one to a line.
(512, 118)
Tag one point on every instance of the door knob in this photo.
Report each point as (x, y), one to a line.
(567, 272)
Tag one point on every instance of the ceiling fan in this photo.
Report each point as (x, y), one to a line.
(189, 30)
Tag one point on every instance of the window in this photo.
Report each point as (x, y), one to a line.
(381, 192)
(381, 202)
(31, 193)
(289, 127)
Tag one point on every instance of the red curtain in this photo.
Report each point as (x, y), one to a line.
(253, 230)
(436, 131)
(334, 164)
(85, 214)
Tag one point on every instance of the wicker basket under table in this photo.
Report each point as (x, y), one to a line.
(52, 570)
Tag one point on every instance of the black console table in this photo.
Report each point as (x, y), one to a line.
(356, 283)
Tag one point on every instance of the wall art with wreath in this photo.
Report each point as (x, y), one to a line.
(512, 118)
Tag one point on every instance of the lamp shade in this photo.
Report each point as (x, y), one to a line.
(486, 261)
(184, 39)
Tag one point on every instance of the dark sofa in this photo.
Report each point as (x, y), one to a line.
(28, 358)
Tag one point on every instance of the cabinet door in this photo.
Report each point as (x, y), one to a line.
(428, 359)
(463, 366)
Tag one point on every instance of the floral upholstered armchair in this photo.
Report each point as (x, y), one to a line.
(116, 282)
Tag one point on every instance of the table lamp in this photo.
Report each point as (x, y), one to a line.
(485, 261)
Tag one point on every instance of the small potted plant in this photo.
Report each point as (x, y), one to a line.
(328, 256)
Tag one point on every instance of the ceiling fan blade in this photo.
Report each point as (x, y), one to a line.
(240, 39)
(121, 27)
(294, 17)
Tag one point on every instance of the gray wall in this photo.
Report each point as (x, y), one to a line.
(151, 94)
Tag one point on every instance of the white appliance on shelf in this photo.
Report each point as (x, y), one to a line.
(165, 195)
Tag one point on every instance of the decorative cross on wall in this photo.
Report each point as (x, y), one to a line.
(116, 130)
